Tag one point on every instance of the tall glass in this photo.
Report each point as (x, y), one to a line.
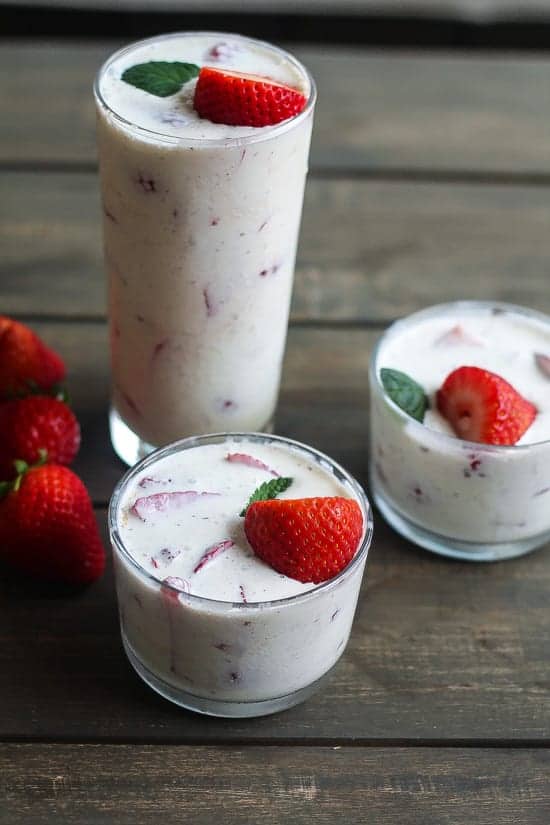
(200, 237)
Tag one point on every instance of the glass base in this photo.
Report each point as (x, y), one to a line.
(215, 707)
(127, 445)
(130, 448)
(464, 550)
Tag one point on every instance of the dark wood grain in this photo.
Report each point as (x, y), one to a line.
(308, 786)
(324, 394)
(442, 653)
(439, 652)
(375, 112)
(369, 251)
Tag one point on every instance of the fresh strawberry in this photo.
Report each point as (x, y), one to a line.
(47, 526)
(25, 361)
(238, 99)
(34, 424)
(483, 407)
(308, 539)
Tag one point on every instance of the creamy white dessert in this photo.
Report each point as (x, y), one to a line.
(199, 610)
(201, 225)
(422, 474)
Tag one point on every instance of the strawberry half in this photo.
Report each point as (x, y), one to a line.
(482, 407)
(25, 361)
(239, 99)
(308, 539)
(34, 424)
(47, 526)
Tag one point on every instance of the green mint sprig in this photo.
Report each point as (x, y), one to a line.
(160, 78)
(405, 392)
(268, 490)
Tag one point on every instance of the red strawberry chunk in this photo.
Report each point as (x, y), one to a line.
(543, 363)
(147, 506)
(483, 407)
(239, 99)
(457, 336)
(223, 51)
(149, 481)
(308, 539)
(250, 461)
(174, 582)
(212, 552)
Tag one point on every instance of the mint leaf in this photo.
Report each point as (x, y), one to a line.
(405, 392)
(267, 490)
(159, 77)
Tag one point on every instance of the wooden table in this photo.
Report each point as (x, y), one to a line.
(429, 181)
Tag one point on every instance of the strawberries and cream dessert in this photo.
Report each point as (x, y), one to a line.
(238, 562)
(203, 145)
(460, 428)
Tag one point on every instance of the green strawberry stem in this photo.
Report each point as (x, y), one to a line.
(21, 468)
(61, 392)
(58, 391)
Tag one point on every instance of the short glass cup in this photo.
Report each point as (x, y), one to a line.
(275, 653)
(457, 498)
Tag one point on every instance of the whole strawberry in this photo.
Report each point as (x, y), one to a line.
(308, 539)
(47, 526)
(25, 361)
(239, 99)
(33, 425)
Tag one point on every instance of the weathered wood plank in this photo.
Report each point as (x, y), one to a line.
(431, 112)
(439, 652)
(324, 380)
(369, 251)
(310, 786)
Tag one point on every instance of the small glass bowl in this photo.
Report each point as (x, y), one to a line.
(458, 498)
(275, 653)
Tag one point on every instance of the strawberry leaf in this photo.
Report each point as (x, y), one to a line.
(31, 387)
(21, 467)
(159, 77)
(61, 392)
(267, 490)
(405, 392)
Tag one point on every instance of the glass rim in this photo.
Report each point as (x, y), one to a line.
(443, 309)
(264, 133)
(217, 438)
